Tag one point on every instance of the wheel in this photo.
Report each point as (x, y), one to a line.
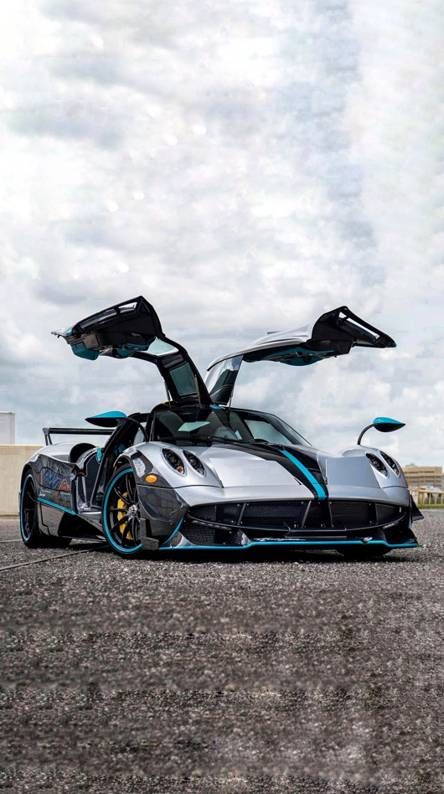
(121, 514)
(364, 553)
(29, 518)
(30, 531)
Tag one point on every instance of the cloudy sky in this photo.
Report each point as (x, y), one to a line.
(245, 165)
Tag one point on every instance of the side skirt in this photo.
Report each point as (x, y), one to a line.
(71, 524)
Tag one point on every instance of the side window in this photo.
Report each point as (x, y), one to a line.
(139, 437)
(183, 379)
(261, 429)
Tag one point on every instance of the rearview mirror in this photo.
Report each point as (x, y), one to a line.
(384, 424)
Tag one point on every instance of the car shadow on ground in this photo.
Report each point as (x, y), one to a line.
(258, 556)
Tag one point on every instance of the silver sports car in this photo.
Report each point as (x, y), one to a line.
(196, 473)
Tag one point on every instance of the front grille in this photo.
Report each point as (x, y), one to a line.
(386, 513)
(354, 514)
(306, 518)
(285, 515)
(272, 515)
(350, 515)
(318, 515)
(208, 536)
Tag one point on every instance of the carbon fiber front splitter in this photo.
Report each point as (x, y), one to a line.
(178, 542)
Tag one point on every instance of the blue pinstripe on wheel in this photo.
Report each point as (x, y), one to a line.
(106, 527)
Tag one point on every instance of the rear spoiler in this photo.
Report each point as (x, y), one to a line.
(73, 431)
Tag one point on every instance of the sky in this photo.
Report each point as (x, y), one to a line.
(245, 166)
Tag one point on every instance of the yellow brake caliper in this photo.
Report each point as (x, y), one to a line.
(122, 508)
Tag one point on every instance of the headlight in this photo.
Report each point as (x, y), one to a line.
(377, 463)
(194, 461)
(174, 460)
(392, 463)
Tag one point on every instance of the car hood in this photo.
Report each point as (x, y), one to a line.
(256, 471)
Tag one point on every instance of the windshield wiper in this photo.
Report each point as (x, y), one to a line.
(242, 442)
(225, 440)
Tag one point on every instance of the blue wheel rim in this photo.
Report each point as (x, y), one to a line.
(111, 530)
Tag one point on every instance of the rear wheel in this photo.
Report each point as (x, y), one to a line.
(29, 519)
(121, 514)
(364, 553)
(30, 531)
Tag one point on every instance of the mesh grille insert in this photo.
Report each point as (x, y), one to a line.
(290, 515)
(352, 514)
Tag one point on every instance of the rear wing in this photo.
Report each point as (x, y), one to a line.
(48, 432)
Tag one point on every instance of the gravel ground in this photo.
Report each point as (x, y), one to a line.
(278, 673)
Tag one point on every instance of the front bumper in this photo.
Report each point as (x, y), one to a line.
(313, 524)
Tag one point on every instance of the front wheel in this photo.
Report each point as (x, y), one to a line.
(363, 553)
(121, 514)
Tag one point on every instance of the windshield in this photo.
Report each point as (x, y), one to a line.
(203, 426)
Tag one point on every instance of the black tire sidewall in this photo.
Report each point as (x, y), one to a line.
(35, 537)
(126, 553)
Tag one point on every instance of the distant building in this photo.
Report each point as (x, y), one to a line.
(424, 476)
(7, 427)
(426, 483)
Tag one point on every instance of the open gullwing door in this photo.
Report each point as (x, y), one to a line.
(333, 334)
(133, 329)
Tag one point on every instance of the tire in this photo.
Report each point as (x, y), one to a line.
(30, 531)
(366, 553)
(121, 514)
(29, 516)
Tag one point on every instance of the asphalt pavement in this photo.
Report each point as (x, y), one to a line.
(271, 673)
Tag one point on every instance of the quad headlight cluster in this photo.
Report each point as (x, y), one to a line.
(377, 463)
(194, 461)
(175, 461)
(392, 463)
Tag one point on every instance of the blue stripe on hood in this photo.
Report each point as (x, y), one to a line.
(319, 490)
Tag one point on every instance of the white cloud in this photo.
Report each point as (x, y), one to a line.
(244, 166)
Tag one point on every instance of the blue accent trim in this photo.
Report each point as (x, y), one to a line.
(382, 420)
(83, 352)
(296, 544)
(173, 533)
(98, 454)
(319, 490)
(55, 505)
(106, 530)
(110, 415)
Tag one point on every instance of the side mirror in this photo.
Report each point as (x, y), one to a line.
(108, 419)
(384, 424)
